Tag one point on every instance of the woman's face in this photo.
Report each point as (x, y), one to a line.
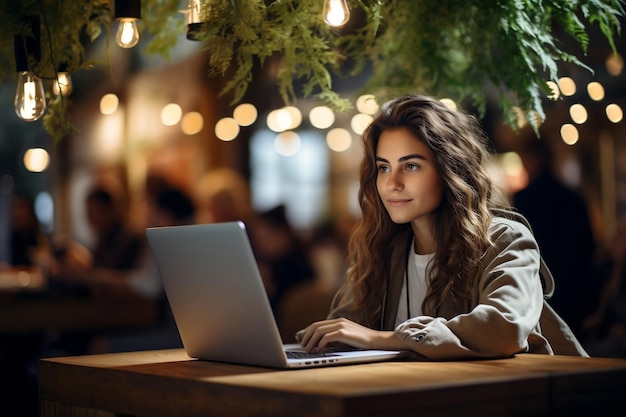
(408, 182)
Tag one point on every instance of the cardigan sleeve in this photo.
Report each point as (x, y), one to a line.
(508, 308)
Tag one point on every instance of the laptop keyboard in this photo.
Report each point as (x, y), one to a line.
(304, 355)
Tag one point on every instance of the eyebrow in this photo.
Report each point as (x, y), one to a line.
(403, 158)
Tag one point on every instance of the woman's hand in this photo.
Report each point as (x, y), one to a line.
(322, 334)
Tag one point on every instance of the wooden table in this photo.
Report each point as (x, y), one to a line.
(168, 383)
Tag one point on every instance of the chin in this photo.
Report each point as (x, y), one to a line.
(400, 220)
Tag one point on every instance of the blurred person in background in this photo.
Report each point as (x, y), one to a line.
(27, 238)
(117, 246)
(606, 326)
(101, 270)
(329, 250)
(283, 257)
(223, 195)
(168, 206)
(560, 220)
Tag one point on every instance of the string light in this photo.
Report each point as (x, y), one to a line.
(578, 113)
(336, 13)
(127, 12)
(30, 98)
(555, 92)
(567, 86)
(36, 159)
(321, 117)
(62, 85)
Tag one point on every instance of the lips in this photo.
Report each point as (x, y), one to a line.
(397, 202)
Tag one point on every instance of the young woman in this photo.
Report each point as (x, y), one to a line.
(438, 265)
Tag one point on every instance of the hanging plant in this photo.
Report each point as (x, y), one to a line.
(452, 48)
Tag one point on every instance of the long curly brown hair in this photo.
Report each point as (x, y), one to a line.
(460, 223)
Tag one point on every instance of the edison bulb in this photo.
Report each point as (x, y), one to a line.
(30, 99)
(127, 33)
(336, 13)
(63, 84)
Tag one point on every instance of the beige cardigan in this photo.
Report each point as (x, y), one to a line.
(510, 314)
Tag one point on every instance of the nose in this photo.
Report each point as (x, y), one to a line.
(395, 182)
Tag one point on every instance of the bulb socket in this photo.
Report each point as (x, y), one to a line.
(193, 31)
(127, 9)
(25, 46)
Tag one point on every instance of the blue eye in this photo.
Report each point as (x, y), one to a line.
(412, 167)
(383, 168)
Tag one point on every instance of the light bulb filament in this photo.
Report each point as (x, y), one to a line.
(30, 101)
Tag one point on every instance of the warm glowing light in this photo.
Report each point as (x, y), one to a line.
(287, 143)
(554, 90)
(360, 122)
(578, 113)
(109, 103)
(245, 114)
(512, 164)
(36, 159)
(614, 64)
(30, 98)
(192, 123)
(171, 114)
(367, 104)
(295, 115)
(569, 134)
(272, 121)
(321, 117)
(567, 86)
(614, 113)
(595, 91)
(338, 139)
(336, 13)
(227, 129)
(449, 103)
(62, 85)
(127, 33)
(284, 119)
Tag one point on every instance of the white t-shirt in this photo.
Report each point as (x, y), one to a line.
(416, 275)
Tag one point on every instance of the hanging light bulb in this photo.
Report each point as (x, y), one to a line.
(336, 13)
(30, 98)
(127, 12)
(127, 33)
(62, 85)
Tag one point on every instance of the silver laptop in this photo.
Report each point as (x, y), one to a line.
(220, 306)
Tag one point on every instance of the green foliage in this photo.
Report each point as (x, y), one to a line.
(65, 26)
(457, 48)
(452, 48)
(163, 22)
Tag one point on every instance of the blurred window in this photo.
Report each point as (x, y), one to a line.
(299, 181)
